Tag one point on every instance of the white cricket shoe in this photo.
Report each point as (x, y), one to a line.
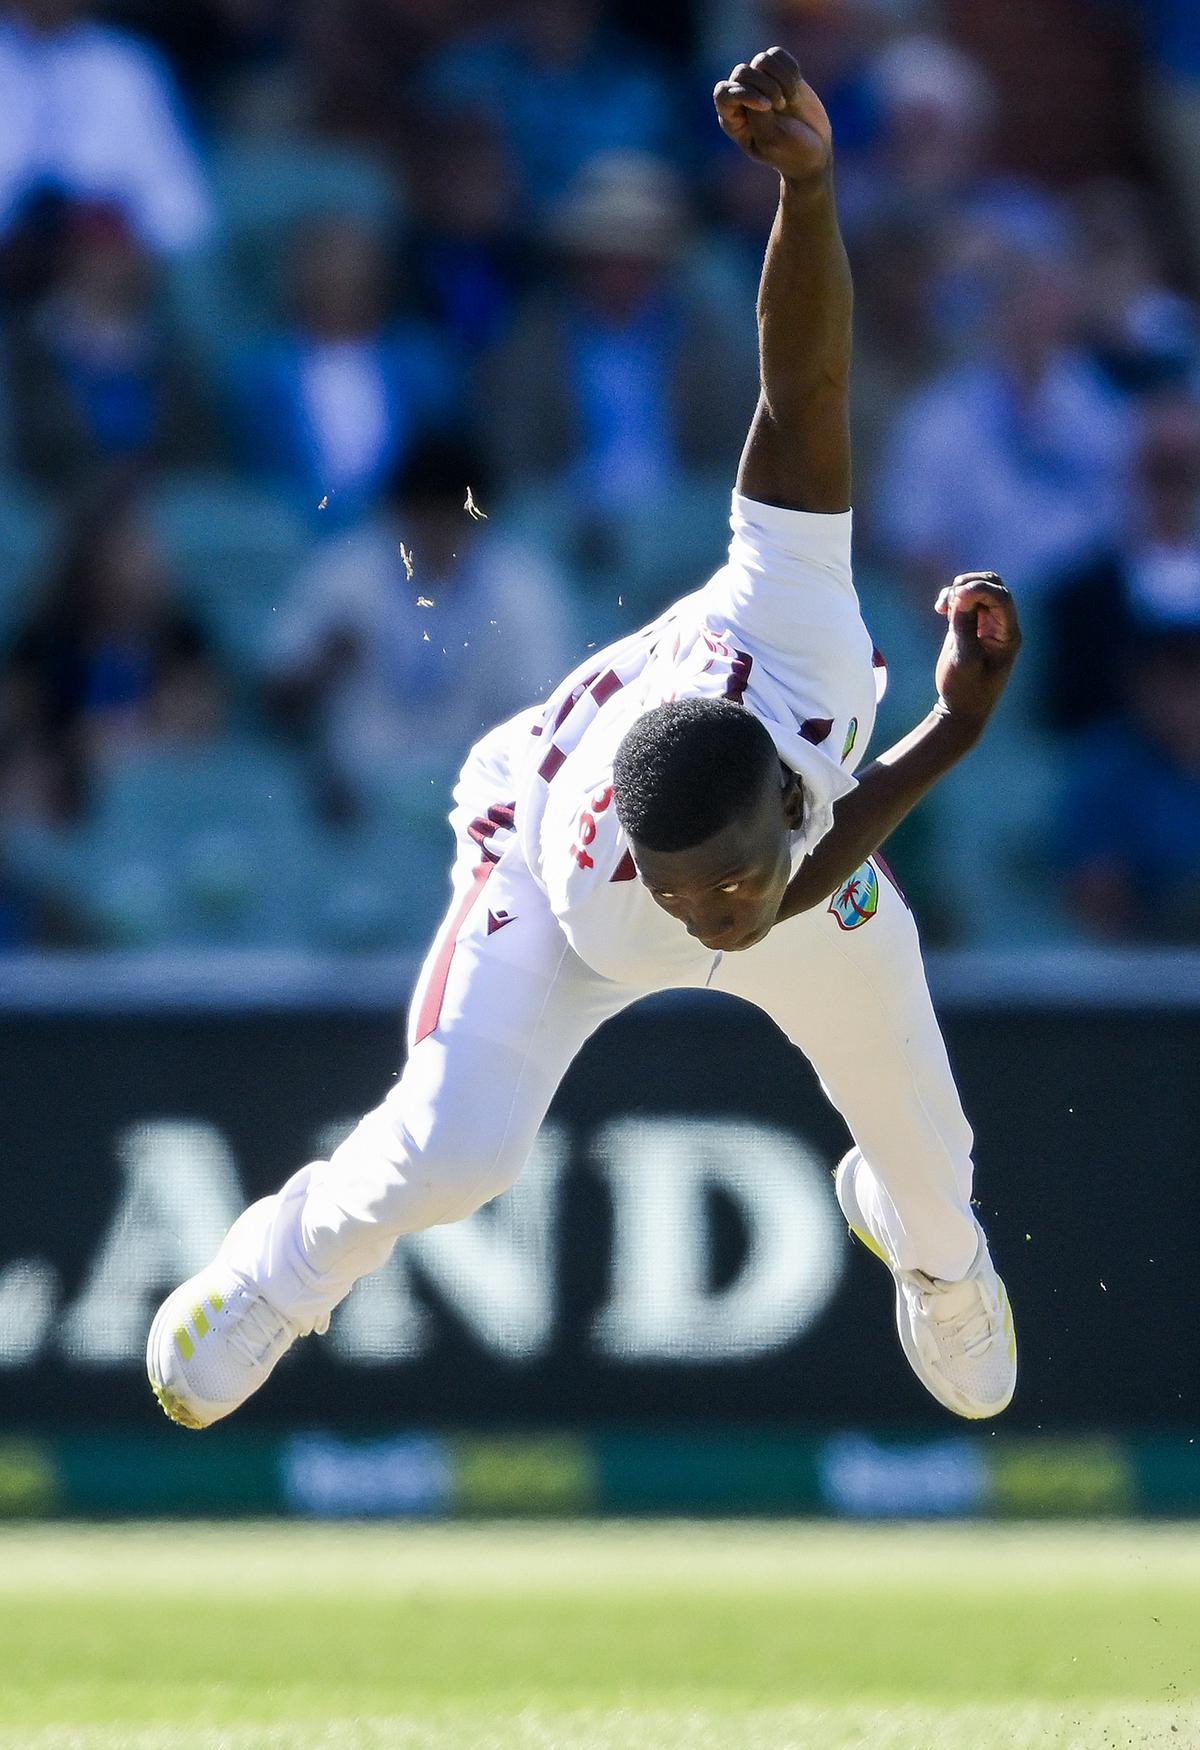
(958, 1336)
(213, 1342)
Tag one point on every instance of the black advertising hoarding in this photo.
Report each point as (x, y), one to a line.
(673, 1255)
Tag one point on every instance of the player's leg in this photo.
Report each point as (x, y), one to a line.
(501, 1008)
(855, 1001)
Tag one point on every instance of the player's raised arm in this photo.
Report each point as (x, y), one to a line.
(983, 638)
(798, 452)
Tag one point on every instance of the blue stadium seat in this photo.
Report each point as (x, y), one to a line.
(25, 531)
(986, 825)
(385, 883)
(671, 545)
(265, 188)
(193, 847)
(217, 848)
(235, 550)
(627, 565)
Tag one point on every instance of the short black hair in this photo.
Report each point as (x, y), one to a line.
(688, 768)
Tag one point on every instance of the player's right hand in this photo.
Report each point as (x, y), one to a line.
(775, 116)
(982, 640)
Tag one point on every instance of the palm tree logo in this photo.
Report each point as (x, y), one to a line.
(857, 900)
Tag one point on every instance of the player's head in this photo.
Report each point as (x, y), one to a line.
(708, 809)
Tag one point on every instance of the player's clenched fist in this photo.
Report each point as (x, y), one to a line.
(775, 116)
(982, 640)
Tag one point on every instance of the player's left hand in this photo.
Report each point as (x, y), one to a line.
(775, 116)
(982, 641)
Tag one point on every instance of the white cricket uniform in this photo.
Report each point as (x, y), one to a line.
(550, 932)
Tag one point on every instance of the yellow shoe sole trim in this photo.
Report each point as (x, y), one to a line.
(869, 1243)
(173, 1408)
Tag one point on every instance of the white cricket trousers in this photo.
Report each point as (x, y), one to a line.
(502, 1006)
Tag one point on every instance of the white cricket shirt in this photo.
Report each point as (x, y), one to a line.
(778, 630)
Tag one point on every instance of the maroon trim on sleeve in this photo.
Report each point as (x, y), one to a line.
(606, 686)
(572, 699)
(500, 817)
(550, 765)
(739, 677)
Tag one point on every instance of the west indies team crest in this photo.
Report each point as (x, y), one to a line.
(857, 899)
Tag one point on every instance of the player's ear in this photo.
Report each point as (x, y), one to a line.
(793, 802)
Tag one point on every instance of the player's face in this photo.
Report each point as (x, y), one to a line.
(727, 890)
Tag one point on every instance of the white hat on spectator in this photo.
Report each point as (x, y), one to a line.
(928, 73)
(622, 203)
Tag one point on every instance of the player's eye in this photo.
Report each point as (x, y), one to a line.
(731, 887)
(663, 895)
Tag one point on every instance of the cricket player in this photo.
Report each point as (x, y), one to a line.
(681, 813)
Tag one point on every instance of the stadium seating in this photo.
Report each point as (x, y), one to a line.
(234, 549)
(266, 188)
(192, 846)
(24, 538)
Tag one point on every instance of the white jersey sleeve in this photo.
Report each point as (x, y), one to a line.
(788, 592)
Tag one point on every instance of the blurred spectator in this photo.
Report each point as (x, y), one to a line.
(329, 409)
(1147, 584)
(935, 109)
(1006, 332)
(20, 923)
(107, 661)
(363, 62)
(1172, 107)
(392, 676)
(98, 375)
(620, 373)
(210, 43)
(561, 89)
(1011, 460)
(90, 113)
(468, 253)
(742, 204)
(1132, 817)
(1142, 334)
(898, 346)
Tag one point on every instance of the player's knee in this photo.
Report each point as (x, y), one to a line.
(468, 1171)
(476, 1183)
(439, 1169)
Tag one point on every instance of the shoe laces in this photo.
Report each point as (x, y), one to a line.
(256, 1332)
(966, 1318)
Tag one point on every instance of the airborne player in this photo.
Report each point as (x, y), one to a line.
(683, 812)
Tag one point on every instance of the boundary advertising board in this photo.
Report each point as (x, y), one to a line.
(672, 1257)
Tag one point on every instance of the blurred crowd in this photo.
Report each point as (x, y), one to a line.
(363, 362)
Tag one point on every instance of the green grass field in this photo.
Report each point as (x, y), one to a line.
(605, 1637)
